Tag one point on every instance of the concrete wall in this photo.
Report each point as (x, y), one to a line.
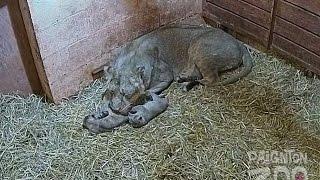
(12, 74)
(76, 37)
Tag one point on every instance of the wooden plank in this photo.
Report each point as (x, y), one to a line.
(237, 23)
(263, 4)
(298, 35)
(310, 5)
(305, 67)
(240, 36)
(24, 46)
(13, 77)
(25, 11)
(299, 16)
(273, 18)
(303, 56)
(245, 10)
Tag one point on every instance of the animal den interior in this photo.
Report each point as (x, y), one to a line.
(188, 89)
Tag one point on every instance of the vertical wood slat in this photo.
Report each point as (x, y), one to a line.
(272, 24)
(13, 77)
(23, 45)
(25, 11)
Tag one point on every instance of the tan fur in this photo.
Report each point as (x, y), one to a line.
(149, 64)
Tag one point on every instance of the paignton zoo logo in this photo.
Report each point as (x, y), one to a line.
(275, 164)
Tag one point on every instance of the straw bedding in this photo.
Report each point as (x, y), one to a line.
(205, 134)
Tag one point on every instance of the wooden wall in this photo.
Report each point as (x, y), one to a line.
(17, 70)
(252, 19)
(289, 27)
(74, 38)
(12, 75)
(70, 39)
(297, 32)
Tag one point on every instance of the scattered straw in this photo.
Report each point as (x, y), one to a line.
(205, 133)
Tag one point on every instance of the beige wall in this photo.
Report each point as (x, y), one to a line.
(12, 74)
(76, 37)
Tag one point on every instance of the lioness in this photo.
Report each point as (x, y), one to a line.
(192, 54)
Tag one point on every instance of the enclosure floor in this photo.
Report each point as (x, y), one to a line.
(205, 134)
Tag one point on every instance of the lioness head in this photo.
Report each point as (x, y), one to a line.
(124, 91)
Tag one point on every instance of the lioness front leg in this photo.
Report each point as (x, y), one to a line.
(142, 114)
(159, 87)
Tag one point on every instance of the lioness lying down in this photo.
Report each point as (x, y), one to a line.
(145, 67)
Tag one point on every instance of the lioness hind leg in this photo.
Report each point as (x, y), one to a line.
(204, 60)
(209, 78)
(208, 70)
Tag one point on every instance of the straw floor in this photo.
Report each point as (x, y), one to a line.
(205, 134)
